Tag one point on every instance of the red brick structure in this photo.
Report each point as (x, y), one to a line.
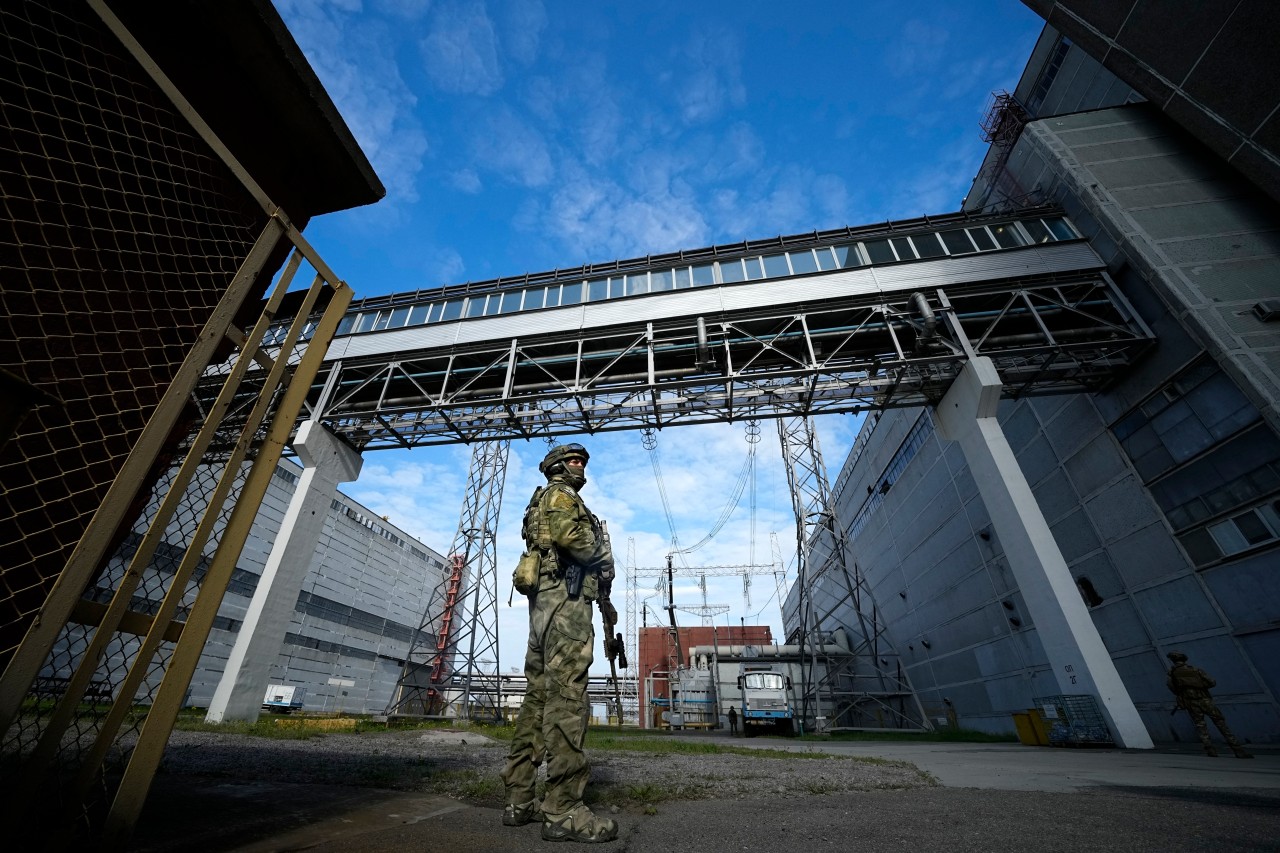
(656, 648)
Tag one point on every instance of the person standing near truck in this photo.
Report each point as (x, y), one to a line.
(567, 565)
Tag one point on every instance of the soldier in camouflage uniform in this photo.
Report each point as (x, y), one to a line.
(570, 546)
(1191, 687)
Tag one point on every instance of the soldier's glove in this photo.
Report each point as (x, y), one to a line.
(608, 612)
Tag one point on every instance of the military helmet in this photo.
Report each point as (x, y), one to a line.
(553, 463)
(1176, 657)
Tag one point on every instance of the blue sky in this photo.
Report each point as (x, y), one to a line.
(525, 135)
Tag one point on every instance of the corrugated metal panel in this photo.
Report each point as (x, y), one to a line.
(671, 303)
(1028, 261)
(921, 275)
(508, 326)
(396, 340)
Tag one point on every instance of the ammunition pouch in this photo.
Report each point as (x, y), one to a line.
(525, 577)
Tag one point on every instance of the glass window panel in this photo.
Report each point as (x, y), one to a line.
(731, 271)
(1153, 464)
(982, 239)
(1193, 376)
(684, 277)
(475, 306)
(903, 245)
(637, 282)
(597, 290)
(1197, 509)
(1228, 537)
(533, 298)
(1039, 234)
(365, 323)
(826, 259)
(927, 246)
(704, 274)
(775, 266)
(1200, 547)
(754, 270)
(1265, 478)
(1252, 528)
(1129, 424)
(804, 262)
(553, 296)
(660, 280)
(419, 315)
(511, 301)
(617, 286)
(879, 251)
(399, 317)
(345, 324)
(1060, 229)
(1008, 236)
(452, 310)
(847, 255)
(1179, 517)
(571, 294)
(957, 241)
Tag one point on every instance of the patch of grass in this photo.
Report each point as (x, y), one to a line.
(602, 740)
(468, 784)
(266, 728)
(940, 736)
(648, 793)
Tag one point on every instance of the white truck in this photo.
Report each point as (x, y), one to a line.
(283, 698)
(766, 706)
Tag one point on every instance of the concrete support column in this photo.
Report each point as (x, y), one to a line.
(1080, 661)
(326, 463)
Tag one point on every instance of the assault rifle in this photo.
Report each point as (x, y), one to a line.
(614, 649)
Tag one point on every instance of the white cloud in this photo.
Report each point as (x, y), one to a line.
(789, 199)
(595, 218)
(920, 47)
(349, 56)
(521, 23)
(707, 76)
(506, 144)
(466, 181)
(460, 53)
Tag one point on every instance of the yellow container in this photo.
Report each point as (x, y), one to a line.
(1026, 732)
(1040, 726)
(1031, 728)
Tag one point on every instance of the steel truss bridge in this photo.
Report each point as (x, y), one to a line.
(890, 324)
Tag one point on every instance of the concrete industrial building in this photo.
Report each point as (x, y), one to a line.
(1162, 492)
(362, 600)
(365, 587)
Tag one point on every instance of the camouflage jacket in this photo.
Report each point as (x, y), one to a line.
(561, 529)
(1190, 684)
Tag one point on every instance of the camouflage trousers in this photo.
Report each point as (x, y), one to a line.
(1200, 710)
(553, 718)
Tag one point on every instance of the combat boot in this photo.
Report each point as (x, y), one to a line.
(1241, 752)
(581, 824)
(1211, 752)
(519, 814)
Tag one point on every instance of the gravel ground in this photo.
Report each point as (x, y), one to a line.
(466, 765)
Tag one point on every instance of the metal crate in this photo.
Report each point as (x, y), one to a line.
(1074, 720)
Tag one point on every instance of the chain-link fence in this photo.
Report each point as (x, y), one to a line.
(120, 232)
(154, 392)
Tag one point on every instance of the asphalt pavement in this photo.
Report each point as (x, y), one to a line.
(990, 797)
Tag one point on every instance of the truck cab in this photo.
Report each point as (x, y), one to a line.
(766, 704)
